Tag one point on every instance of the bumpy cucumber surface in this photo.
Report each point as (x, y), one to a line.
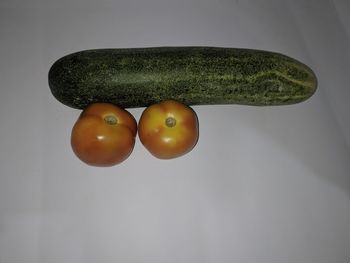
(138, 77)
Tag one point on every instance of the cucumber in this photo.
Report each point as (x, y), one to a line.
(139, 77)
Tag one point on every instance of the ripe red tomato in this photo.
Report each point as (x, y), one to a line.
(103, 135)
(168, 129)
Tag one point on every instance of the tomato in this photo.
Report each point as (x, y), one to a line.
(103, 135)
(168, 129)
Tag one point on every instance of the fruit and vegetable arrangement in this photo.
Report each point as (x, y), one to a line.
(103, 83)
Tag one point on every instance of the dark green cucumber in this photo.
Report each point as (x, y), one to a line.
(138, 77)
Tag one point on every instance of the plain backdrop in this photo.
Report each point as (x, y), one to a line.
(264, 184)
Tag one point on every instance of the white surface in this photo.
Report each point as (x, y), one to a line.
(264, 185)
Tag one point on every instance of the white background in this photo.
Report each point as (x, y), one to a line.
(264, 184)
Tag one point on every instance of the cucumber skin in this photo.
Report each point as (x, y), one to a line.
(139, 77)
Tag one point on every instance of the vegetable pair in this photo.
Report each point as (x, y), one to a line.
(104, 134)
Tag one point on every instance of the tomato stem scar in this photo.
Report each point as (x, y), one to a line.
(170, 122)
(110, 119)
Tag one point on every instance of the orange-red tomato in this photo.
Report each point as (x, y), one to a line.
(103, 135)
(168, 129)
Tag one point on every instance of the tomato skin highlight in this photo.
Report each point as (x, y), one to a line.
(103, 135)
(168, 129)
